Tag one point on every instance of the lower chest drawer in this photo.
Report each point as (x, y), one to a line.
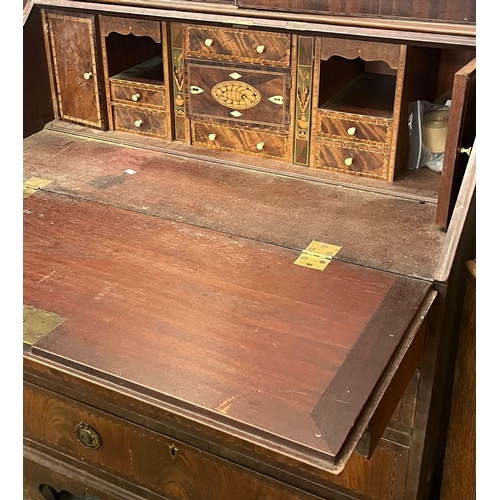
(139, 121)
(254, 141)
(351, 157)
(140, 456)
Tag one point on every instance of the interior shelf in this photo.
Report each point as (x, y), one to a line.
(369, 94)
(150, 71)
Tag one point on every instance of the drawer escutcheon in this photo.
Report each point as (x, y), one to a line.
(87, 436)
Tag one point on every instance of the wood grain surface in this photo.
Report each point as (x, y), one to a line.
(139, 456)
(227, 44)
(227, 326)
(265, 84)
(459, 472)
(241, 140)
(461, 135)
(73, 51)
(139, 120)
(382, 231)
(464, 11)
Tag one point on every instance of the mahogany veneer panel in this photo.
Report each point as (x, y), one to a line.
(228, 44)
(225, 326)
(73, 55)
(378, 230)
(463, 10)
(264, 84)
(141, 456)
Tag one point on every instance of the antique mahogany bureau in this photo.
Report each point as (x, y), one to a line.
(234, 287)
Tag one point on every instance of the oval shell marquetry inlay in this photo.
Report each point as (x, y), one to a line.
(239, 95)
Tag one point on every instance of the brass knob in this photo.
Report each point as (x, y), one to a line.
(260, 146)
(87, 436)
(466, 150)
(135, 97)
(212, 136)
(348, 161)
(351, 130)
(208, 42)
(260, 48)
(87, 76)
(138, 123)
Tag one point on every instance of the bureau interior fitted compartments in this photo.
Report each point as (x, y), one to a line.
(243, 290)
(324, 102)
(137, 95)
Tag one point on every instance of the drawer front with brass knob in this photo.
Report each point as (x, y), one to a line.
(137, 455)
(345, 126)
(227, 44)
(254, 141)
(139, 121)
(367, 160)
(146, 96)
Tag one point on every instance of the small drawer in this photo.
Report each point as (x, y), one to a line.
(226, 44)
(244, 95)
(137, 95)
(253, 142)
(139, 121)
(353, 158)
(138, 455)
(352, 127)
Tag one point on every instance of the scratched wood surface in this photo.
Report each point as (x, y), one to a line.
(377, 230)
(461, 11)
(226, 326)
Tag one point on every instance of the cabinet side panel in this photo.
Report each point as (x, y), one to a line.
(37, 101)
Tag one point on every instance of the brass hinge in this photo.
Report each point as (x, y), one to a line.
(33, 184)
(37, 324)
(317, 255)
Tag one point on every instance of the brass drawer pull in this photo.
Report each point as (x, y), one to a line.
(348, 161)
(138, 123)
(260, 48)
(260, 146)
(351, 130)
(136, 97)
(209, 42)
(212, 137)
(87, 76)
(87, 436)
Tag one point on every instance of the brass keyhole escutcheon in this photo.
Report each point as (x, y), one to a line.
(87, 436)
(173, 451)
